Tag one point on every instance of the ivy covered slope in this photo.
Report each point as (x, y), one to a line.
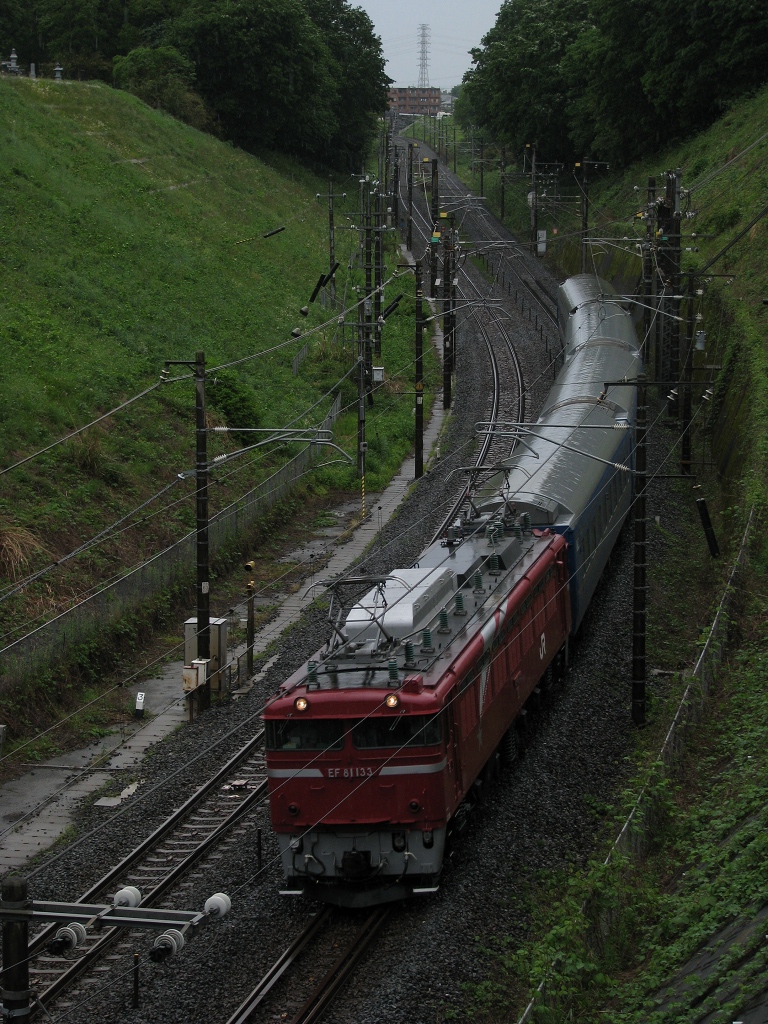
(130, 239)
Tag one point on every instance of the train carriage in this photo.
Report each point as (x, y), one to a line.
(375, 745)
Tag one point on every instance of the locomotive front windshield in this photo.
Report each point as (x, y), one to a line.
(368, 734)
(405, 731)
(314, 734)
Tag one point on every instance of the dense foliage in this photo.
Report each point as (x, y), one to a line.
(613, 78)
(302, 76)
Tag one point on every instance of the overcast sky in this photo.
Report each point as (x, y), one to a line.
(455, 27)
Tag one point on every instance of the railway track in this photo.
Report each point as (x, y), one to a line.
(507, 403)
(326, 931)
(155, 867)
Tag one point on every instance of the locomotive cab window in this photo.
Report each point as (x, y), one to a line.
(310, 734)
(403, 731)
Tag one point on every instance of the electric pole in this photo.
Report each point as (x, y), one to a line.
(501, 211)
(435, 211)
(650, 230)
(482, 167)
(675, 244)
(332, 240)
(396, 188)
(640, 589)
(534, 199)
(409, 239)
(201, 475)
(447, 317)
(15, 993)
(685, 454)
(367, 303)
(378, 271)
(419, 370)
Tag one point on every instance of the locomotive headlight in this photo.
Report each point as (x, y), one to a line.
(301, 703)
(392, 700)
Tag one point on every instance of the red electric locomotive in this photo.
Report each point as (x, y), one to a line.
(375, 743)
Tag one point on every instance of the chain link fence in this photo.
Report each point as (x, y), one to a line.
(52, 641)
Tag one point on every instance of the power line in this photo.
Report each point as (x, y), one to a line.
(80, 430)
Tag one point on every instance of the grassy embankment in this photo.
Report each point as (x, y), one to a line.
(706, 878)
(130, 238)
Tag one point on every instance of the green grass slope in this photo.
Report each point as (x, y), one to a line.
(128, 239)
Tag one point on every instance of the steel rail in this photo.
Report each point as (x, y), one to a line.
(334, 980)
(496, 391)
(40, 940)
(89, 955)
(481, 215)
(109, 936)
(245, 1011)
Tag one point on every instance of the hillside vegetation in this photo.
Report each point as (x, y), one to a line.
(131, 239)
(301, 76)
(612, 79)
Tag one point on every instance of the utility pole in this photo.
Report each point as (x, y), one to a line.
(419, 370)
(201, 514)
(454, 149)
(435, 211)
(503, 158)
(650, 234)
(482, 167)
(584, 215)
(685, 453)
(396, 188)
(447, 317)
(367, 304)
(378, 268)
(409, 240)
(201, 476)
(332, 240)
(585, 205)
(250, 625)
(15, 991)
(534, 199)
(361, 442)
(675, 244)
(639, 594)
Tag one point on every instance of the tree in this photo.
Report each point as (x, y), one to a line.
(263, 69)
(609, 114)
(516, 86)
(163, 78)
(359, 71)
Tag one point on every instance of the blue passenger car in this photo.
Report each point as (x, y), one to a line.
(572, 472)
